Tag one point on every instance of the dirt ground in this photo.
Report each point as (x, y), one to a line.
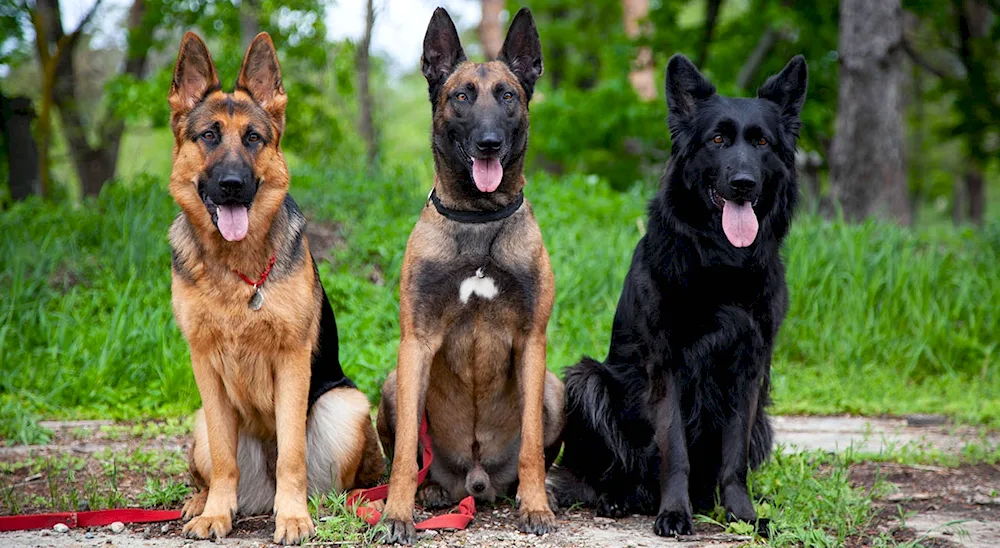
(944, 506)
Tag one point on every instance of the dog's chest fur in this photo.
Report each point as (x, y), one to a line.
(246, 347)
(478, 285)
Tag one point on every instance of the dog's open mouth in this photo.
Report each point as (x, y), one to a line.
(487, 173)
(232, 220)
(739, 222)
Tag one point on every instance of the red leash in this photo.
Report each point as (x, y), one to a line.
(363, 498)
(85, 519)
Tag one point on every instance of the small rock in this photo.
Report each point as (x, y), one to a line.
(165, 529)
(45, 532)
(60, 528)
(147, 533)
(83, 506)
(925, 420)
(88, 535)
(983, 499)
(117, 527)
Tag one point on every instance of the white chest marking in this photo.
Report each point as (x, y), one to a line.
(479, 285)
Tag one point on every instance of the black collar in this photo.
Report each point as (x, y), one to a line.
(476, 217)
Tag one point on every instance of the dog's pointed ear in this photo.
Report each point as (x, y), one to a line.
(685, 87)
(442, 52)
(787, 89)
(522, 50)
(260, 77)
(194, 75)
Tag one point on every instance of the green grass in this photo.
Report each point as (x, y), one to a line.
(882, 319)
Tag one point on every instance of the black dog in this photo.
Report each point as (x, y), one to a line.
(678, 407)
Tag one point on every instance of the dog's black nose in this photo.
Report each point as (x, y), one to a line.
(489, 143)
(743, 182)
(230, 183)
(478, 488)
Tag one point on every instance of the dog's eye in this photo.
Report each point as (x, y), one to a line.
(762, 142)
(208, 135)
(462, 97)
(717, 139)
(253, 137)
(508, 96)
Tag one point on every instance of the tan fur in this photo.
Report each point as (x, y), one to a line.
(252, 368)
(460, 373)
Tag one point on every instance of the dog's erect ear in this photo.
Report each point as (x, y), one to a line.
(260, 77)
(442, 52)
(194, 75)
(522, 50)
(685, 87)
(787, 89)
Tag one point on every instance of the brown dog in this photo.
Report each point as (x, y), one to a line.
(475, 297)
(280, 418)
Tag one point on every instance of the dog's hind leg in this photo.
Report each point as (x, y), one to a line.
(341, 451)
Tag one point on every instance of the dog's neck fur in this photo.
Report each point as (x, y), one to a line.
(456, 189)
(249, 256)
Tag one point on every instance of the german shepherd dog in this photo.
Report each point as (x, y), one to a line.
(280, 418)
(678, 408)
(476, 293)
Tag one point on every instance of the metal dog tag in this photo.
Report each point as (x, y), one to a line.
(256, 300)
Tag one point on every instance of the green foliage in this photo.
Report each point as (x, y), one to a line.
(163, 493)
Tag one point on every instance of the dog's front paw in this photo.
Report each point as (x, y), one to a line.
(673, 523)
(536, 522)
(207, 526)
(398, 531)
(194, 506)
(292, 528)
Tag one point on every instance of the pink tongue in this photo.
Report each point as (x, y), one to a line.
(739, 223)
(233, 222)
(487, 174)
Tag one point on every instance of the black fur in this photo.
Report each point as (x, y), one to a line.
(678, 408)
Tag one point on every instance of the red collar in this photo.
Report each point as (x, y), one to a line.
(263, 277)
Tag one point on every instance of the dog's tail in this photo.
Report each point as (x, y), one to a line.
(590, 405)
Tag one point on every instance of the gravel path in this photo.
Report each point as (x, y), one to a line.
(963, 513)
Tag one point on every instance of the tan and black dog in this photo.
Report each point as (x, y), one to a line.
(476, 293)
(280, 418)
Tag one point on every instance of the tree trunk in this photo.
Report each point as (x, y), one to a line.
(490, 33)
(249, 22)
(94, 165)
(642, 75)
(973, 26)
(975, 193)
(367, 122)
(712, 8)
(867, 168)
(19, 144)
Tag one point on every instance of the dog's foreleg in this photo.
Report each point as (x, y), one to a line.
(674, 515)
(535, 514)
(291, 396)
(412, 373)
(222, 423)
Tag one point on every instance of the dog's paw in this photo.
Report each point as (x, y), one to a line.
(610, 506)
(536, 522)
(433, 496)
(292, 529)
(194, 506)
(398, 531)
(673, 523)
(203, 527)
